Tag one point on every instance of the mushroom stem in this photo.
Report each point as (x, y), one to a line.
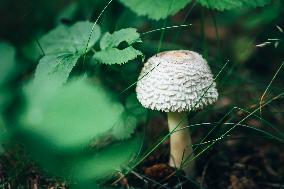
(180, 142)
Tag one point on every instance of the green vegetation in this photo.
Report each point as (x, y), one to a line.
(68, 103)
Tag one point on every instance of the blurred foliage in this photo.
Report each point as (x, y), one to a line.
(78, 111)
(233, 4)
(7, 62)
(155, 9)
(160, 9)
(83, 128)
(70, 123)
(7, 70)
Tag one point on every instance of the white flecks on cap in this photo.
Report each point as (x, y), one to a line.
(176, 81)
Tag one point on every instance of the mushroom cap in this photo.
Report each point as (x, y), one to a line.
(176, 81)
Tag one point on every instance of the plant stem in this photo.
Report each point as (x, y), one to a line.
(180, 142)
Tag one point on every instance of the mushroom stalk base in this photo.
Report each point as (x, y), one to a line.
(180, 143)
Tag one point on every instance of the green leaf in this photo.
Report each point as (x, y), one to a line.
(129, 35)
(128, 122)
(124, 128)
(63, 47)
(232, 4)
(64, 39)
(70, 116)
(55, 66)
(155, 9)
(7, 61)
(110, 54)
(255, 3)
(116, 56)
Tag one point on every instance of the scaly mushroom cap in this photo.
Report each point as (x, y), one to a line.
(176, 81)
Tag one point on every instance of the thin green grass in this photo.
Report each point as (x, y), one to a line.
(257, 130)
(281, 95)
(93, 28)
(268, 86)
(219, 54)
(189, 159)
(174, 40)
(163, 31)
(165, 28)
(242, 125)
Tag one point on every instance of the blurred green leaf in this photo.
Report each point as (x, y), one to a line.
(129, 35)
(133, 113)
(5, 98)
(242, 56)
(255, 3)
(7, 69)
(7, 61)
(125, 127)
(155, 9)
(85, 168)
(69, 117)
(60, 123)
(232, 4)
(264, 17)
(55, 66)
(116, 56)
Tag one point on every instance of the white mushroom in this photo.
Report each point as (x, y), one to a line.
(177, 82)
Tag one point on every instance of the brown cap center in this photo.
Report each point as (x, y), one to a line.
(179, 54)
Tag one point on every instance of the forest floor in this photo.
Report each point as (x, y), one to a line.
(233, 164)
